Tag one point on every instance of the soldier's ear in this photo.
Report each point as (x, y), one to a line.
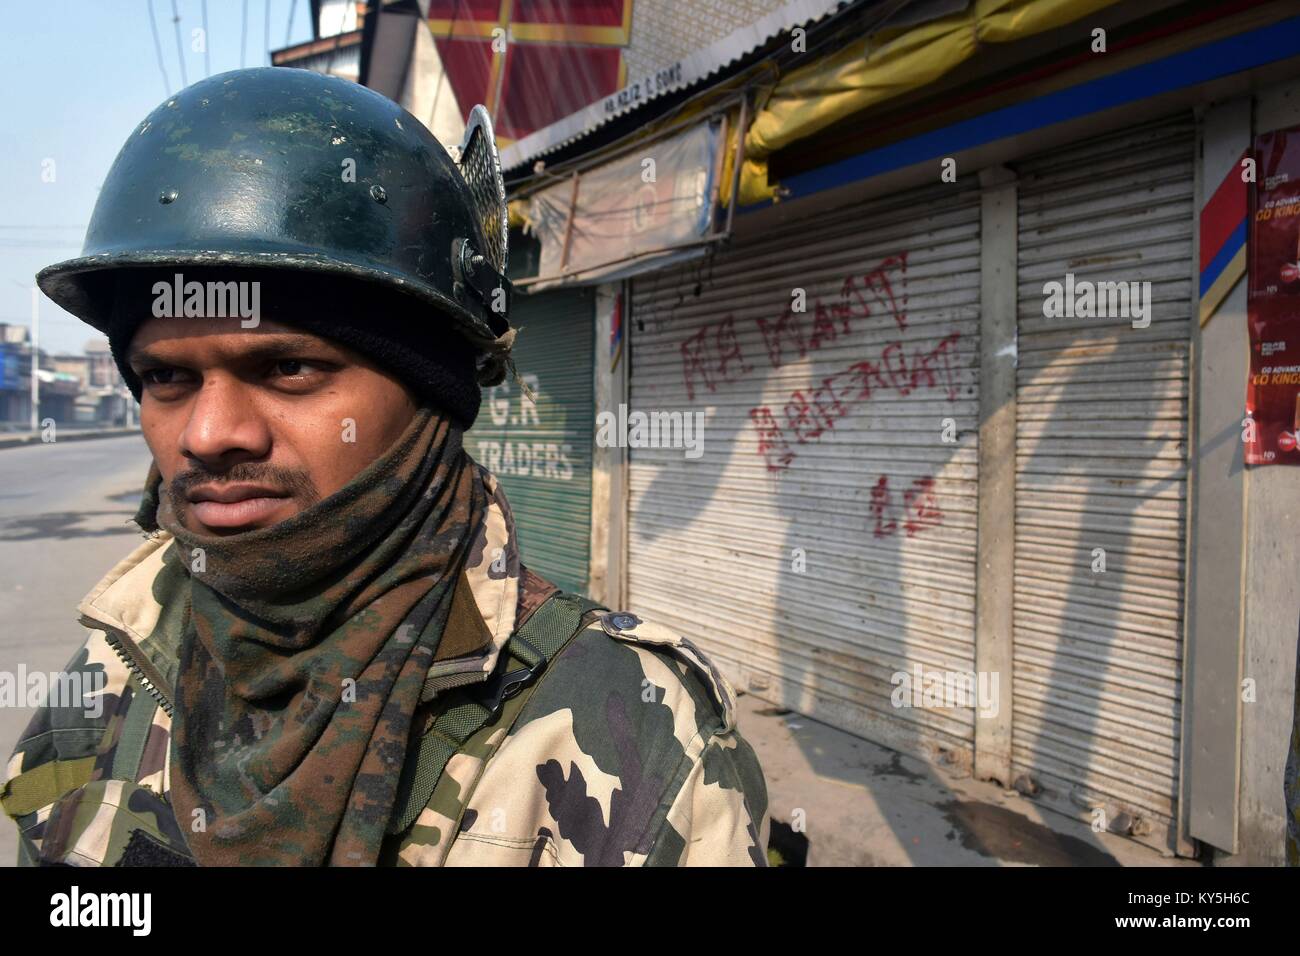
(146, 516)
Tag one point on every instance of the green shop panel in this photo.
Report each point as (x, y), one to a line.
(541, 452)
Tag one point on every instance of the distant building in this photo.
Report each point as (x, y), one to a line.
(103, 370)
(74, 389)
(74, 365)
(15, 375)
(335, 48)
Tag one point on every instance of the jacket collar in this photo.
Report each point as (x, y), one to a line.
(126, 605)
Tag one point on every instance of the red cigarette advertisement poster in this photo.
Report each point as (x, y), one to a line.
(1273, 389)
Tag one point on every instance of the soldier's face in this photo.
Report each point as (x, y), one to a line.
(251, 426)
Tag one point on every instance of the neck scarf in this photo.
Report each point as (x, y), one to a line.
(304, 654)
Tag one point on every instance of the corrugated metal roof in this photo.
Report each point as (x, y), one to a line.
(671, 78)
(697, 67)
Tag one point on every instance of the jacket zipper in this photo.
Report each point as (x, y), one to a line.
(149, 678)
(115, 640)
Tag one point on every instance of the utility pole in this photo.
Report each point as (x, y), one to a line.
(36, 358)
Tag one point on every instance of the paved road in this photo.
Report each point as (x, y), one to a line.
(64, 509)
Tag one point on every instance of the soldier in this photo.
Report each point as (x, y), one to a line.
(327, 651)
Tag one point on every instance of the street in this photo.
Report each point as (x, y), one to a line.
(64, 508)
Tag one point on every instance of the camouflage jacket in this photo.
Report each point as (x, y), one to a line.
(625, 753)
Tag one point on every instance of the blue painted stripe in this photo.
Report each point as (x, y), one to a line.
(1221, 58)
(1221, 258)
(1213, 297)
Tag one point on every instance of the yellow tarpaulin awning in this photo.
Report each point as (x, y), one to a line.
(884, 65)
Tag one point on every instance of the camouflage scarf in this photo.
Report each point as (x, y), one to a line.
(305, 652)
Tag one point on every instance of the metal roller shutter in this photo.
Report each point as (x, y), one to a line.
(823, 433)
(1101, 453)
(542, 453)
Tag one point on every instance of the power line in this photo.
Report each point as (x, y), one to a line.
(180, 48)
(243, 36)
(288, 30)
(207, 42)
(157, 48)
(266, 29)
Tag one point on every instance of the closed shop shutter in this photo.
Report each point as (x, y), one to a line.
(1101, 463)
(542, 453)
(824, 540)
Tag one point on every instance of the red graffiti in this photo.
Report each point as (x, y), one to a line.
(695, 361)
(802, 419)
(920, 508)
(787, 336)
(879, 502)
(829, 323)
(713, 354)
(771, 443)
(806, 417)
(876, 283)
(894, 372)
(728, 349)
(709, 354)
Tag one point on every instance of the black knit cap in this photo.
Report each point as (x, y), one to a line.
(397, 331)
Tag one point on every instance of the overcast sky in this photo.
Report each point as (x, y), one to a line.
(76, 76)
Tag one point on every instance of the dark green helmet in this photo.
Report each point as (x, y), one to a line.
(285, 169)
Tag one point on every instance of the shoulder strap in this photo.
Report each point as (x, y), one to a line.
(465, 712)
(128, 753)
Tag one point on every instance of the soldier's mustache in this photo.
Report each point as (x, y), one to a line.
(291, 482)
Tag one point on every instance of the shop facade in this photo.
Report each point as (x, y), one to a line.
(539, 444)
(970, 480)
